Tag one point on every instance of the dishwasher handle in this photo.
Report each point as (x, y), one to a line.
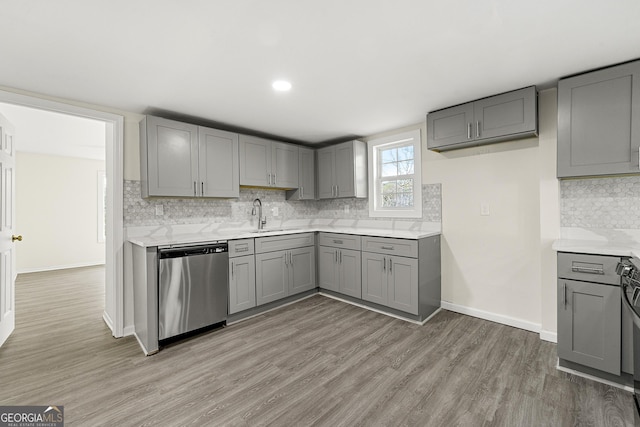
(193, 250)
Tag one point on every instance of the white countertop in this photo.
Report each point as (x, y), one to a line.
(614, 242)
(176, 239)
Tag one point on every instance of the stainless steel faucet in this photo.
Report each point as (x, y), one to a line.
(261, 221)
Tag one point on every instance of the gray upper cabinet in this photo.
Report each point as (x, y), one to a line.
(184, 160)
(266, 163)
(503, 117)
(342, 170)
(599, 122)
(306, 176)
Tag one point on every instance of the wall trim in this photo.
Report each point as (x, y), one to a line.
(107, 320)
(493, 317)
(60, 267)
(593, 378)
(549, 336)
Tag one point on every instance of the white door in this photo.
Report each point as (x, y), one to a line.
(7, 246)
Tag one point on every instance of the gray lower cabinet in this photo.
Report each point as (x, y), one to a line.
(242, 283)
(242, 275)
(342, 170)
(266, 163)
(184, 160)
(590, 316)
(589, 324)
(599, 122)
(391, 281)
(507, 116)
(285, 265)
(339, 270)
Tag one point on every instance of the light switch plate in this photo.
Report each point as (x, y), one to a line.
(484, 209)
(159, 210)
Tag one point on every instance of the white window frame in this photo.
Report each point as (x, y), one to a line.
(375, 192)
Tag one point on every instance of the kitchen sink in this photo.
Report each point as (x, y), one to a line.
(271, 230)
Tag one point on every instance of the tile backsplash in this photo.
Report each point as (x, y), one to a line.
(608, 202)
(142, 212)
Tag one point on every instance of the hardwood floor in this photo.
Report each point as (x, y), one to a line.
(316, 362)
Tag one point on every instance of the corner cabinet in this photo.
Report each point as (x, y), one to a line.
(507, 116)
(183, 160)
(285, 265)
(266, 163)
(306, 176)
(599, 122)
(342, 170)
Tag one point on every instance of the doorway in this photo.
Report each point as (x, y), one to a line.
(113, 314)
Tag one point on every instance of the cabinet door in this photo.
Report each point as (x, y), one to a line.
(374, 278)
(327, 268)
(302, 269)
(510, 113)
(326, 179)
(403, 284)
(307, 174)
(271, 277)
(172, 157)
(344, 170)
(255, 161)
(284, 165)
(242, 283)
(589, 324)
(450, 126)
(599, 122)
(350, 272)
(218, 163)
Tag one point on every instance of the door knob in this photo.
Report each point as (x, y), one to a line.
(18, 238)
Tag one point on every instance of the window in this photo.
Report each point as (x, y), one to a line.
(395, 176)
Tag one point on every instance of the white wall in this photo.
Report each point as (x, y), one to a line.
(501, 267)
(57, 212)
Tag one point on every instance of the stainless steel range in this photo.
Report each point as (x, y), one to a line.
(629, 270)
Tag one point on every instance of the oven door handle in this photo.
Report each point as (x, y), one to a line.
(625, 299)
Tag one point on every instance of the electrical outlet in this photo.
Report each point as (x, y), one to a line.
(275, 211)
(484, 209)
(159, 210)
(346, 209)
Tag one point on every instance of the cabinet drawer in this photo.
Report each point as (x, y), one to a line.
(288, 241)
(241, 247)
(588, 268)
(384, 245)
(345, 241)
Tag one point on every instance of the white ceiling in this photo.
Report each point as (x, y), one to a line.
(358, 67)
(46, 132)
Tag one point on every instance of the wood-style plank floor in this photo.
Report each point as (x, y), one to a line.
(316, 362)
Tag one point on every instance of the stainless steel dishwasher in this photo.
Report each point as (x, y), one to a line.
(192, 288)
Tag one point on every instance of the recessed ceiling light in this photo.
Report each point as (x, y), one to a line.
(281, 85)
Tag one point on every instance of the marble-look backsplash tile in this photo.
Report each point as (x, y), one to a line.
(142, 212)
(600, 202)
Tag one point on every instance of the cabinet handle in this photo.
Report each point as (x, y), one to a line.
(202, 186)
(336, 253)
(291, 257)
(384, 264)
(232, 270)
(389, 248)
(275, 179)
(390, 266)
(340, 257)
(469, 130)
(338, 242)
(564, 295)
(195, 188)
(588, 270)
(337, 191)
(478, 129)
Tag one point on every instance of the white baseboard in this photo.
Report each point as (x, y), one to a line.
(60, 267)
(128, 331)
(549, 336)
(593, 378)
(498, 318)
